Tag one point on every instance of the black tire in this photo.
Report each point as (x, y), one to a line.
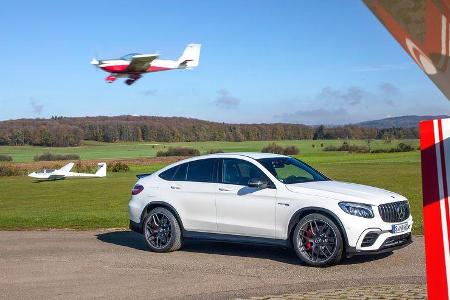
(317, 241)
(161, 230)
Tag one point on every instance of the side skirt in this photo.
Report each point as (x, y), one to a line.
(235, 238)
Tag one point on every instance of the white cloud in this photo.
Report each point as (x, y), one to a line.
(226, 100)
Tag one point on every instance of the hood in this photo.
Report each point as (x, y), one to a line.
(344, 191)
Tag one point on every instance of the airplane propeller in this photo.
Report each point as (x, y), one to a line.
(95, 62)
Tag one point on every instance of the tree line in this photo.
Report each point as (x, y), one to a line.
(70, 131)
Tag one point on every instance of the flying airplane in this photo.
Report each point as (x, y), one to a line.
(65, 172)
(133, 65)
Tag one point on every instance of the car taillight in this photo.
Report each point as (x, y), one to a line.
(137, 189)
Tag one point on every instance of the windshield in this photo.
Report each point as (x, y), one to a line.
(290, 170)
(129, 56)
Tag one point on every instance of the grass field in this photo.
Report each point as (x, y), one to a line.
(102, 203)
(96, 150)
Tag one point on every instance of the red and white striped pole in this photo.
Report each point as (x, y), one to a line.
(435, 152)
(422, 28)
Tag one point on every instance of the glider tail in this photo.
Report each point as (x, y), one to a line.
(101, 171)
(190, 57)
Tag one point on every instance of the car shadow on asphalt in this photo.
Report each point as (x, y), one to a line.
(284, 255)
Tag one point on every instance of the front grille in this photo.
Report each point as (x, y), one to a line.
(394, 212)
(369, 239)
(396, 240)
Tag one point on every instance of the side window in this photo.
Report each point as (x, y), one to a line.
(203, 170)
(168, 174)
(180, 174)
(239, 172)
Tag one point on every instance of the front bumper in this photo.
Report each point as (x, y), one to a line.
(391, 243)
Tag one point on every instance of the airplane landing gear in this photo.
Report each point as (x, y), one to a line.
(132, 79)
(110, 78)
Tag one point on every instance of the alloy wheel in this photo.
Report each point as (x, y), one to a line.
(317, 240)
(158, 230)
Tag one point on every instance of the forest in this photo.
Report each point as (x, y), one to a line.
(61, 131)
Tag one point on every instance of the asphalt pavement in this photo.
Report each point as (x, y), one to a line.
(115, 264)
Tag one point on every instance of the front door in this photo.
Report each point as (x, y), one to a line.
(244, 210)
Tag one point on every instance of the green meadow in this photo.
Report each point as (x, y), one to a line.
(102, 203)
(96, 150)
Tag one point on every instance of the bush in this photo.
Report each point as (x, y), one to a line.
(275, 148)
(380, 151)
(344, 147)
(5, 158)
(178, 151)
(11, 170)
(331, 148)
(291, 150)
(402, 147)
(84, 168)
(357, 149)
(347, 147)
(50, 157)
(118, 167)
(212, 151)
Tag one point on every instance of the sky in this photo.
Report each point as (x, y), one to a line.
(310, 62)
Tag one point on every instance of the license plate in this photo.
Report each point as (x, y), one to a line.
(397, 228)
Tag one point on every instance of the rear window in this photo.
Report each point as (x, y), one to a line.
(180, 174)
(177, 173)
(202, 170)
(168, 174)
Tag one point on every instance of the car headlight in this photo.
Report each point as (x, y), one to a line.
(357, 209)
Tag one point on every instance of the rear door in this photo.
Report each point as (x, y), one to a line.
(244, 210)
(193, 189)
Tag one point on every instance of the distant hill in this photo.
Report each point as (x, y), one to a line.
(398, 122)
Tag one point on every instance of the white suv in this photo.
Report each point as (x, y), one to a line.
(267, 198)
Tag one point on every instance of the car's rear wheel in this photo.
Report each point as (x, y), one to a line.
(317, 241)
(162, 231)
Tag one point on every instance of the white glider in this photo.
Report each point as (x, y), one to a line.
(64, 172)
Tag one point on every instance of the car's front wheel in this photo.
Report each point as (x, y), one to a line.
(162, 231)
(317, 241)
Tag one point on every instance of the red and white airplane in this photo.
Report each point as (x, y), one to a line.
(133, 65)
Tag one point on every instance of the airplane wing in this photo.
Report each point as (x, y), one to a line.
(67, 167)
(141, 62)
(422, 29)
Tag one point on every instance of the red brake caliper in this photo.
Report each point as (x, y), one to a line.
(309, 234)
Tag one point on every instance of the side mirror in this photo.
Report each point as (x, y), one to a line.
(257, 183)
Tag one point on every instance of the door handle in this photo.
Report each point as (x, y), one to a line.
(223, 189)
(175, 187)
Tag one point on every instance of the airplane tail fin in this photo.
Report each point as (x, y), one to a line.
(191, 56)
(101, 171)
(67, 167)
